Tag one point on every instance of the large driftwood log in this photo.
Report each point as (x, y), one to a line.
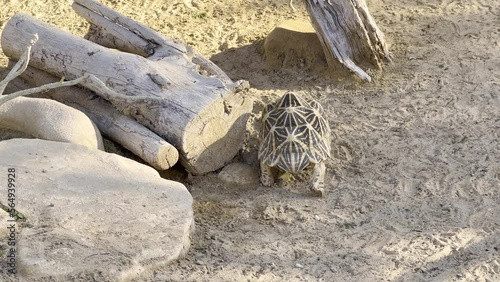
(348, 34)
(202, 115)
(111, 29)
(124, 130)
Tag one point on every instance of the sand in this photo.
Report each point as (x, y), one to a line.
(413, 185)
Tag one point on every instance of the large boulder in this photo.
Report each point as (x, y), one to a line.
(90, 214)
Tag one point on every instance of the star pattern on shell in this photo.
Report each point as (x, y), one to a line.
(294, 133)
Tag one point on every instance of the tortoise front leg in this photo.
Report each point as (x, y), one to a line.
(266, 175)
(318, 179)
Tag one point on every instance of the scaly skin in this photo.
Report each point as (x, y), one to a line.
(266, 175)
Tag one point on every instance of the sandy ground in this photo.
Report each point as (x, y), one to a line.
(413, 187)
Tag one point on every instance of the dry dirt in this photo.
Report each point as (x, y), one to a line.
(413, 185)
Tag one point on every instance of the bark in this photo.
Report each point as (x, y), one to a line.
(348, 34)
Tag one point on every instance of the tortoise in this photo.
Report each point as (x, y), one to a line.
(294, 134)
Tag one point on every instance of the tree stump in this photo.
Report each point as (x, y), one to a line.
(348, 34)
(163, 84)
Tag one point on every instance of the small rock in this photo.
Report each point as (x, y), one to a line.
(239, 174)
(298, 265)
(275, 213)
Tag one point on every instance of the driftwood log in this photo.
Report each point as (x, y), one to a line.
(164, 85)
(348, 34)
(122, 129)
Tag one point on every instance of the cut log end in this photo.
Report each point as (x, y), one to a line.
(219, 133)
(167, 156)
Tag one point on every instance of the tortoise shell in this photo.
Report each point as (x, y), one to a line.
(294, 133)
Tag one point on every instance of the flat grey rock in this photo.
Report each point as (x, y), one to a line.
(90, 214)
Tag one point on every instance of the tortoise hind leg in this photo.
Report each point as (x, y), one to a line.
(266, 175)
(318, 179)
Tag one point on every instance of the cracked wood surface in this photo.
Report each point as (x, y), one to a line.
(348, 34)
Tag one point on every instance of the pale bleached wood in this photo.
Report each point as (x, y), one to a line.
(111, 29)
(124, 33)
(348, 34)
(115, 126)
(204, 117)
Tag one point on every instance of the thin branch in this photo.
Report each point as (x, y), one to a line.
(43, 88)
(20, 66)
(93, 83)
(87, 80)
